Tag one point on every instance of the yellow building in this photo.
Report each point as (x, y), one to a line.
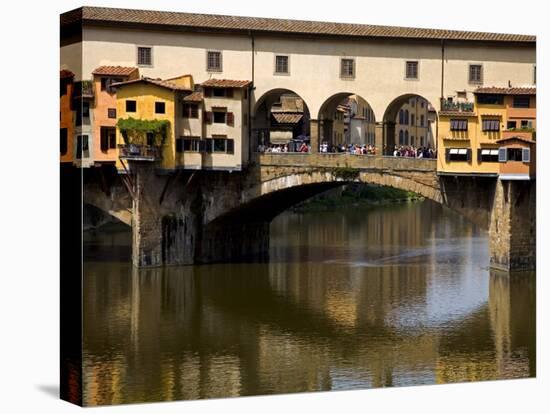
(471, 134)
(146, 127)
(414, 123)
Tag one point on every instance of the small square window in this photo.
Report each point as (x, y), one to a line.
(160, 108)
(347, 68)
(475, 74)
(411, 70)
(521, 102)
(145, 56)
(214, 61)
(219, 117)
(111, 113)
(131, 106)
(281, 64)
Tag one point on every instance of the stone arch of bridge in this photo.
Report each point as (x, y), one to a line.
(398, 118)
(263, 202)
(356, 108)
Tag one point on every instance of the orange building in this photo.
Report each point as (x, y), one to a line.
(66, 122)
(104, 111)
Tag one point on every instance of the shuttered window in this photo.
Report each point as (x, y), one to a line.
(526, 155)
(502, 155)
(214, 61)
(347, 68)
(144, 56)
(190, 111)
(459, 124)
(411, 70)
(230, 118)
(490, 125)
(475, 74)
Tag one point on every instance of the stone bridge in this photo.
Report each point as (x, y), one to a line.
(211, 216)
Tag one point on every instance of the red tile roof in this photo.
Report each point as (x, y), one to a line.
(64, 73)
(287, 118)
(158, 82)
(507, 91)
(194, 97)
(114, 70)
(529, 141)
(239, 24)
(225, 83)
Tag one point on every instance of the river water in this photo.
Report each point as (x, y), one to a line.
(356, 298)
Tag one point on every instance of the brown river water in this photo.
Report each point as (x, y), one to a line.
(354, 298)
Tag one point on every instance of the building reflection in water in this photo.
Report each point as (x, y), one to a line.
(355, 299)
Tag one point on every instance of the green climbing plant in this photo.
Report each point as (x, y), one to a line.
(134, 131)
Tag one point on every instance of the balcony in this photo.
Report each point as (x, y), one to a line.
(457, 106)
(83, 90)
(135, 152)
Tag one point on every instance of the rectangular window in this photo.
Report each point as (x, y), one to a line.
(521, 102)
(490, 99)
(511, 125)
(190, 111)
(347, 68)
(218, 92)
(214, 61)
(411, 70)
(160, 108)
(475, 74)
(108, 138)
(219, 144)
(191, 144)
(514, 154)
(111, 113)
(412, 119)
(83, 113)
(81, 145)
(131, 106)
(488, 155)
(219, 117)
(281, 64)
(458, 154)
(490, 125)
(459, 124)
(63, 141)
(145, 56)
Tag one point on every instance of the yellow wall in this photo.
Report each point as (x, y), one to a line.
(146, 95)
(476, 138)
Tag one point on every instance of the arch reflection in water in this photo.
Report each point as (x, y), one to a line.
(350, 299)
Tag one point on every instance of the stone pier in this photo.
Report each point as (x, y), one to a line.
(512, 230)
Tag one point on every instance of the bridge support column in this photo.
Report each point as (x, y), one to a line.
(389, 137)
(379, 138)
(512, 228)
(314, 131)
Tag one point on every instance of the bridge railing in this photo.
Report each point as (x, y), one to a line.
(335, 160)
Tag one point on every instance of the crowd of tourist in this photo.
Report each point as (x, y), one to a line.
(413, 152)
(356, 149)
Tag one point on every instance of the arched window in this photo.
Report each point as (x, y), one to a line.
(401, 137)
(401, 117)
(407, 137)
(406, 117)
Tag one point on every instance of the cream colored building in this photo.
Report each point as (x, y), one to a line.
(385, 65)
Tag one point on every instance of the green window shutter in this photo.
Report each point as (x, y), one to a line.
(526, 155)
(502, 155)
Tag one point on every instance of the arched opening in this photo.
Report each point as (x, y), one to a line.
(280, 122)
(347, 124)
(410, 127)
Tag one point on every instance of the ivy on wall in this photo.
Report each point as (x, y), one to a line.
(135, 131)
